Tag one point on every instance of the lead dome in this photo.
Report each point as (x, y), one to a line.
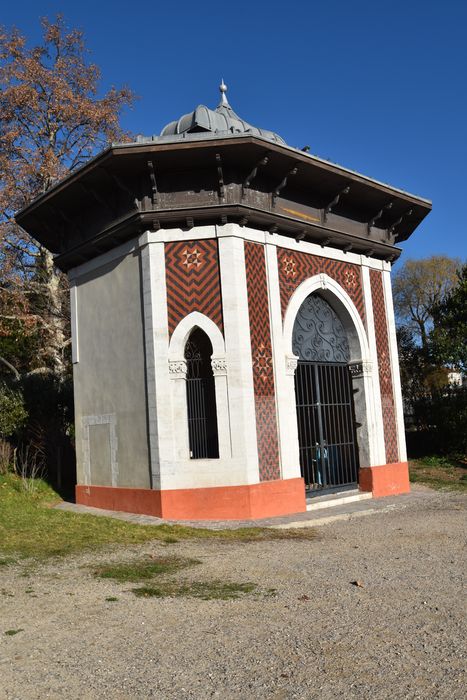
(222, 121)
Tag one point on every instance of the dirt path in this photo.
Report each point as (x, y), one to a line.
(401, 635)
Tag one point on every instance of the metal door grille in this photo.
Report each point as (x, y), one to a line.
(326, 425)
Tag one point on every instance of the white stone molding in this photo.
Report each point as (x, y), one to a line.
(156, 332)
(395, 371)
(219, 366)
(361, 369)
(326, 283)
(109, 419)
(251, 234)
(196, 233)
(241, 398)
(177, 370)
(303, 246)
(291, 364)
(195, 319)
(375, 418)
(74, 322)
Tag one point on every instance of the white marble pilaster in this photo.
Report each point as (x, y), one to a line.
(372, 386)
(74, 322)
(238, 351)
(160, 421)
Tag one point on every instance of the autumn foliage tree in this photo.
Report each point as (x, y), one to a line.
(418, 287)
(430, 302)
(52, 120)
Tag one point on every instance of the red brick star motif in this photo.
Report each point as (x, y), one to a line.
(350, 279)
(191, 258)
(288, 266)
(262, 362)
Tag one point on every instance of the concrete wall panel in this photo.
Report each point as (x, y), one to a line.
(110, 375)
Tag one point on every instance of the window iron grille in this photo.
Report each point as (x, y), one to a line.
(201, 398)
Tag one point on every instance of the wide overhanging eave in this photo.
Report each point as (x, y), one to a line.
(138, 222)
(240, 153)
(130, 150)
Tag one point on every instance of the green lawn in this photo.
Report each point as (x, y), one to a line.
(439, 473)
(30, 527)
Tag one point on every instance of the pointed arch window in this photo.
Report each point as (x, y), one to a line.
(201, 397)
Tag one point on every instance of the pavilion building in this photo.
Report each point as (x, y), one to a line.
(234, 346)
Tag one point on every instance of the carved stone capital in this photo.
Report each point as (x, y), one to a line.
(291, 362)
(361, 369)
(177, 369)
(219, 366)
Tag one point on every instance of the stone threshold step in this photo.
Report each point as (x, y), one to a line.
(336, 499)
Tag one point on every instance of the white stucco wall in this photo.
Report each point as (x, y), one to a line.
(109, 371)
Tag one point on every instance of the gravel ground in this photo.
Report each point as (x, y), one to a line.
(400, 635)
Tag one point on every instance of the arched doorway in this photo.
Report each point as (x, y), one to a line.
(201, 397)
(324, 398)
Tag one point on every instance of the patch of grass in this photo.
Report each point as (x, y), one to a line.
(241, 534)
(111, 599)
(205, 590)
(442, 473)
(141, 570)
(29, 527)
(11, 633)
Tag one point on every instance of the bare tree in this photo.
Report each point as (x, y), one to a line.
(51, 121)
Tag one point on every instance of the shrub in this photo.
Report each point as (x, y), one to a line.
(443, 416)
(13, 414)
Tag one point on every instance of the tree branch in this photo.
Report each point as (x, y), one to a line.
(10, 367)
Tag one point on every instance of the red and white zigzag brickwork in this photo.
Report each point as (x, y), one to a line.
(193, 283)
(384, 367)
(296, 267)
(261, 355)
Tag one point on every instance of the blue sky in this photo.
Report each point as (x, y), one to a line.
(377, 87)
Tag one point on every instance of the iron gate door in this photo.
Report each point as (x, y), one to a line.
(326, 425)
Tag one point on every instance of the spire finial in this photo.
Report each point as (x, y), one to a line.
(223, 90)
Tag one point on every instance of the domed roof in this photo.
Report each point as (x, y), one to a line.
(221, 121)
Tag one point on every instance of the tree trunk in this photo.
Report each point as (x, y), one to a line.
(56, 316)
(423, 334)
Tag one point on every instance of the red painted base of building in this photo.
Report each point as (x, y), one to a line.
(250, 502)
(386, 480)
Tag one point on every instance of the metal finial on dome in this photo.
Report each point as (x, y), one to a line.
(223, 90)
